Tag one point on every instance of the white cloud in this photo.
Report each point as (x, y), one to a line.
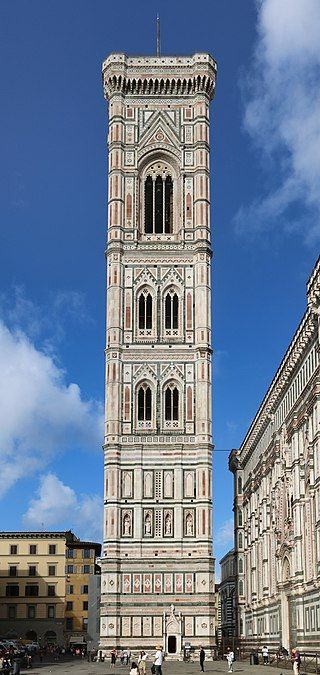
(282, 115)
(40, 414)
(225, 534)
(47, 321)
(57, 506)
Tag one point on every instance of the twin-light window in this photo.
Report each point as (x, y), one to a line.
(145, 403)
(146, 311)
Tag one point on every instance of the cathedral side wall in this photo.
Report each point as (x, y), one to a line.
(279, 507)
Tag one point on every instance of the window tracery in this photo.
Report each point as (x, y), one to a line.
(158, 200)
(171, 306)
(145, 310)
(144, 403)
(171, 403)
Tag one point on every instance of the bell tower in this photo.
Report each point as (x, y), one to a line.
(157, 564)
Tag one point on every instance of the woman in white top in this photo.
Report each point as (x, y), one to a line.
(134, 668)
(142, 663)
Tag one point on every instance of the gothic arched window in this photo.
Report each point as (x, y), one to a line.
(144, 403)
(145, 311)
(171, 404)
(158, 204)
(171, 311)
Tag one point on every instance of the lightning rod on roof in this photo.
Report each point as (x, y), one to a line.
(158, 35)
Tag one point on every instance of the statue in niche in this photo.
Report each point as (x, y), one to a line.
(168, 525)
(147, 524)
(127, 525)
(189, 525)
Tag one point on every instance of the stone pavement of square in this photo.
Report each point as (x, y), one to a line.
(169, 668)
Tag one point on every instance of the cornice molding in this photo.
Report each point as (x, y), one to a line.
(308, 331)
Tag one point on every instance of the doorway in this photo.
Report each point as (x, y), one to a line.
(172, 644)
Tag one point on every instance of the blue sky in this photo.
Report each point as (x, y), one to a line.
(265, 217)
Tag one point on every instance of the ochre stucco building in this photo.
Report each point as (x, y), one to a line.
(44, 580)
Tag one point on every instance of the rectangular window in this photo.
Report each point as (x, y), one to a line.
(51, 611)
(32, 590)
(12, 591)
(69, 606)
(12, 611)
(85, 605)
(69, 589)
(86, 569)
(33, 549)
(32, 570)
(69, 623)
(84, 589)
(70, 553)
(52, 570)
(87, 553)
(12, 571)
(51, 590)
(13, 549)
(31, 611)
(52, 549)
(69, 569)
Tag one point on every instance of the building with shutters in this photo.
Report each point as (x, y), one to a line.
(157, 563)
(227, 590)
(81, 565)
(33, 586)
(44, 586)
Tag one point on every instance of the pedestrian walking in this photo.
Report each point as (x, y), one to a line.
(296, 661)
(113, 657)
(230, 659)
(158, 660)
(16, 667)
(128, 656)
(122, 657)
(202, 656)
(142, 663)
(265, 655)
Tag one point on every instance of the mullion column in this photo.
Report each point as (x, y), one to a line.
(163, 204)
(153, 204)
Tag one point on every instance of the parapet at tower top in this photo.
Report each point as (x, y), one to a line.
(159, 75)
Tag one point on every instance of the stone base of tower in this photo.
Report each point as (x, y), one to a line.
(142, 620)
(172, 641)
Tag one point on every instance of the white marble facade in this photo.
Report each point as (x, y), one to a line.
(277, 500)
(157, 564)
